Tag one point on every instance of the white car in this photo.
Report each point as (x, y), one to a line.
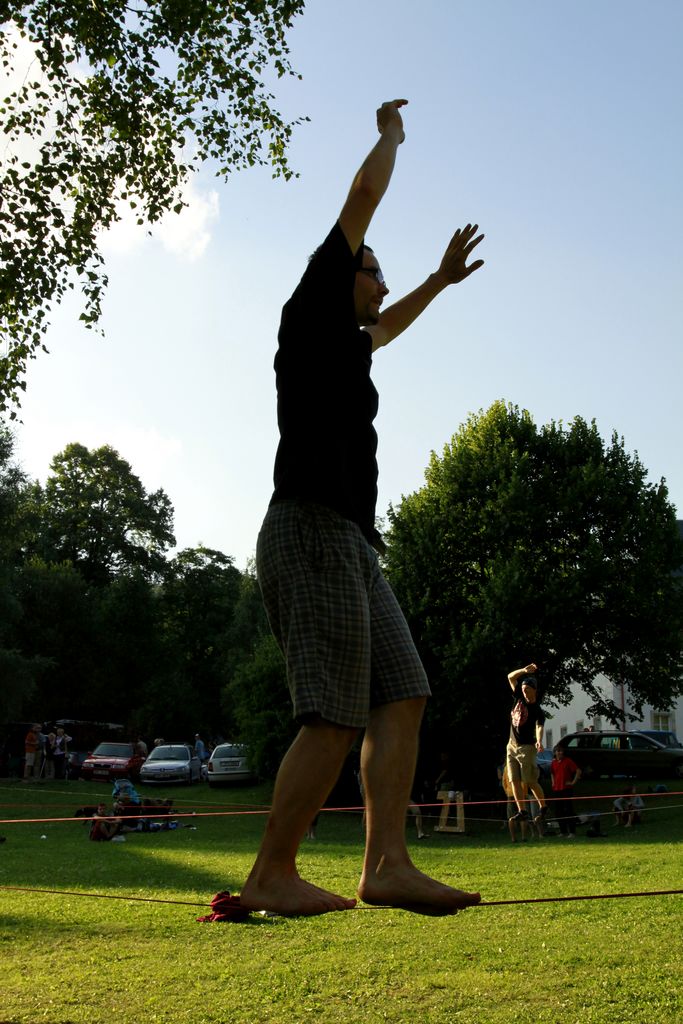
(173, 762)
(229, 762)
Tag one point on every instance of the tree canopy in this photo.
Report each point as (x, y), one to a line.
(98, 621)
(121, 103)
(538, 544)
(95, 513)
(256, 698)
(16, 669)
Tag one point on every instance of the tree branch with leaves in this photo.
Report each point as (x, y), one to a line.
(121, 104)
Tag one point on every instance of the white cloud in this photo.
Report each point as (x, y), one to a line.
(185, 234)
(188, 233)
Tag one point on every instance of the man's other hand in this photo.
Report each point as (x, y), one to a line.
(388, 116)
(453, 265)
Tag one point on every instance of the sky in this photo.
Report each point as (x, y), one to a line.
(554, 126)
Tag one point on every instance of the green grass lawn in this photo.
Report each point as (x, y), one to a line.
(76, 959)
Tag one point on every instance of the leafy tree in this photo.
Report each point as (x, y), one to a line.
(80, 627)
(130, 649)
(248, 624)
(537, 544)
(95, 513)
(258, 700)
(197, 603)
(17, 673)
(121, 104)
(57, 631)
(13, 484)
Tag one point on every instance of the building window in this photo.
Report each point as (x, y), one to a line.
(549, 738)
(579, 725)
(563, 731)
(662, 720)
(597, 724)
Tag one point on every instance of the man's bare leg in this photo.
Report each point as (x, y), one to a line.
(308, 771)
(520, 792)
(388, 761)
(537, 789)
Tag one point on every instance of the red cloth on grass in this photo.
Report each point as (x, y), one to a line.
(226, 908)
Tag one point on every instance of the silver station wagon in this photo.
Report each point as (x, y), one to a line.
(229, 762)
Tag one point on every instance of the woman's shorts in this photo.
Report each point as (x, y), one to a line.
(345, 640)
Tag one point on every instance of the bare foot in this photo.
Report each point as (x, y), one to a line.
(291, 896)
(405, 887)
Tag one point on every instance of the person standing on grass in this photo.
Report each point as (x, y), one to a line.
(60, 752)
(351, 662)
(200, 749)
(49, 762)
(526, 739)
(565, 774)
(32, 752)
(141, 748)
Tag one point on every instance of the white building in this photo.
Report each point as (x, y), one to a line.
(573, 717)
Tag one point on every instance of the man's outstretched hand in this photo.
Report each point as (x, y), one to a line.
(388, 116)
(453, 265)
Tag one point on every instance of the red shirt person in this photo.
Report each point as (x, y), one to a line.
(32, 752)
(565, 774)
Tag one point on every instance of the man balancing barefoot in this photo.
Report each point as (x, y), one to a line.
(351, 663)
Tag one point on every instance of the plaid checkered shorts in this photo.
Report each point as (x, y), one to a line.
(345, 640)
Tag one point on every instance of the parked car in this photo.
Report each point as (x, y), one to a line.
(112, 761)
(173, 762)
(229, 762)
(622, 753)
(667, 739)
(544, 760)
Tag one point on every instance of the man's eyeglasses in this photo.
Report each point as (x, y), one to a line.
(373, 272)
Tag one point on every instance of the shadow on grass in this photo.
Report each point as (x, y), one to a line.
(183, 863)
(181, 860)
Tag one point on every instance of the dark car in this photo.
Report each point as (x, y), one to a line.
(667, 739)
(622, 753)
(112, 761)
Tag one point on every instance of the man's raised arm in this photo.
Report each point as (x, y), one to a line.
(373, 177)
(452, 269)
(528, 670)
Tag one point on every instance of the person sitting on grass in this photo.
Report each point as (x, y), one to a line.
(127, 802)
(628, 809)
(104, 826)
